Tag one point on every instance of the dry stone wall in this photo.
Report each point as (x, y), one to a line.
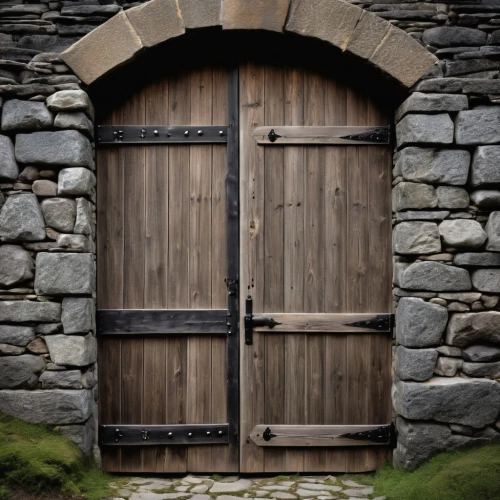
(446, 242)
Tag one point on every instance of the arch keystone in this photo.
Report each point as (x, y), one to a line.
(200, 13)
(254, 14)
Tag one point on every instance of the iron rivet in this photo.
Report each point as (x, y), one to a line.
(190, 434)
(200, 132)
(169, 135)
(220, 433)
(186, 133)
(170, 435)
(156, 132)
(209, 433)
(221, 132)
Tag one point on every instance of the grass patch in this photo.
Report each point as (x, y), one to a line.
(39, 461)
(364, 479)
(461, 475)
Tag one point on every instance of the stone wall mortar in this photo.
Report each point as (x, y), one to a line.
(446, 203)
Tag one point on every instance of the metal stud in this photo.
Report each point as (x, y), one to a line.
(200, 132)
(156, 133)
(169, 134)
(190, 434)
(143, 133)
(220, 433)
(209, 433)
(221, 133)
(170, 435)
(186, 133)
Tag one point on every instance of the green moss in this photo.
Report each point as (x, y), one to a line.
(168, 489)
(364, 479)
(461, 475)
(36, 459)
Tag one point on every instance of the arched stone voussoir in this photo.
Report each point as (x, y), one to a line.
(267, 15)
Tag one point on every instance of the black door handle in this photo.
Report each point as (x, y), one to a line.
(251, 322)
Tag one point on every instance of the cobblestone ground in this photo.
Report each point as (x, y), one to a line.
(234, 488)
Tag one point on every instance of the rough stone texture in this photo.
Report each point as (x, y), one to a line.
(486, 198)
(51, 407)
(489, 370)
(473, 402)
(478, 126)
(68, 379)
(76, 181)
(422, 103)
(435, 276)
(81, 435)
(410, 195)
(68, 273)
(59, 213)
(429, 129)
(75, 242)
(11, 350)
(74, 121)
(200, 13)
(77, 315)
(89, 61)
(416, 238)
(83, 224)
(485, 166)
(415, 364)
(16, 335)
(452, 197)
(72, 350)
(21, 311)
(70, 100)
(67, 148)
(156, 21)
(254, 14)
(481, 353)
(16, 265)
(25, 115)
(419, 323)
(460, 233)
(8, 165)
(423, 215)
(483, 259)
(486, 280)
(435, 166)
(367, 35)
(454, 36)
(447, 367)
(21, 219)
(465, 329)
(45, 188)
(493, 232)
(20, 372)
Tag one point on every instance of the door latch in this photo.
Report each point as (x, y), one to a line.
(251, 321)
(273, 136)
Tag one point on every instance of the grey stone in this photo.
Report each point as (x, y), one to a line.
(411, 195)
(447, 367)
(460, 233)
(467, 297)
(240, 485)
(486, 280)
(81, 435)
(16, 335)
(44, 187)
(489, 370)
(25, 115)
(66, 274)
(20, 372)
(89, 380)
(427, 129)
(21, 311)
(419, 323)
(419, 102)
(446, 350)
(75, 242)
(435, 166)
(485, 166)
(456, 400)
(76, 181)
(48, 328)
(437, 277)
(415, 364)
(282, 495)
(16, 265)
(458, 307)
(423, 215)
(21, 219)
(481, 353)
(463, 67)
(486, 198)
(29, 174)
(416, 238)
(70, 100)
(319, 487)
(493, 232)
(51, 407)
(67, 148)
(465, 430)
(68, 379)
(452, 197)
(465, 329)
(77, 315)
(83, 224)
(398, 269)
(59, 213)
(453, 36)
(478, 126)
(11, 350)
(72, 350)
(9, 169)
(483, 259)
(75, 121)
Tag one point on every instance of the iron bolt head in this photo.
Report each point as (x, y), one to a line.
(221, 133)
(186, 133)
(200, 132)
(156, 132)
(190, 434)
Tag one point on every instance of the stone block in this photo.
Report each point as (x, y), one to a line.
(486, 280)
(20, 372)
(9, 169)
(84, 219)
(483, 259)
(66, 101)
(21, 219)
(25, 115)
(82, 435)
(454, 36)
(74, 121)
(72, 350)
(419, 323)
(423, 215)
(485, 166)
(415, 364)
(50, 407)
(59, 213)
(465, 329)
(44, 187)
(86, 57)
(23, 311)
(254, 14)
(75, 242)
(200, 13)
(76, 182)
(436, 277)
(488, 370)
(427, 129)
(367, 35)
(478, 126)
(453, 400)
(68, 148)
(419, 102)
(452, 352)
(11, 350)
(156, 21)
(493, 232)
(452, 197)
(481, 353)
(462, 233)
(78, 315)
(68, 379)
(435, 166)
(414, 196)
(485, 198)
(415, 238)
(64, 274)
(16, 335)
(16, 265)
(447, 367)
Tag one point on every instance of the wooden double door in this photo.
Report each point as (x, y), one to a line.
(244, 276)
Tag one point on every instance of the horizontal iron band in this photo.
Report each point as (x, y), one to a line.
(120, 135)
(162, 321)
(154, 435)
